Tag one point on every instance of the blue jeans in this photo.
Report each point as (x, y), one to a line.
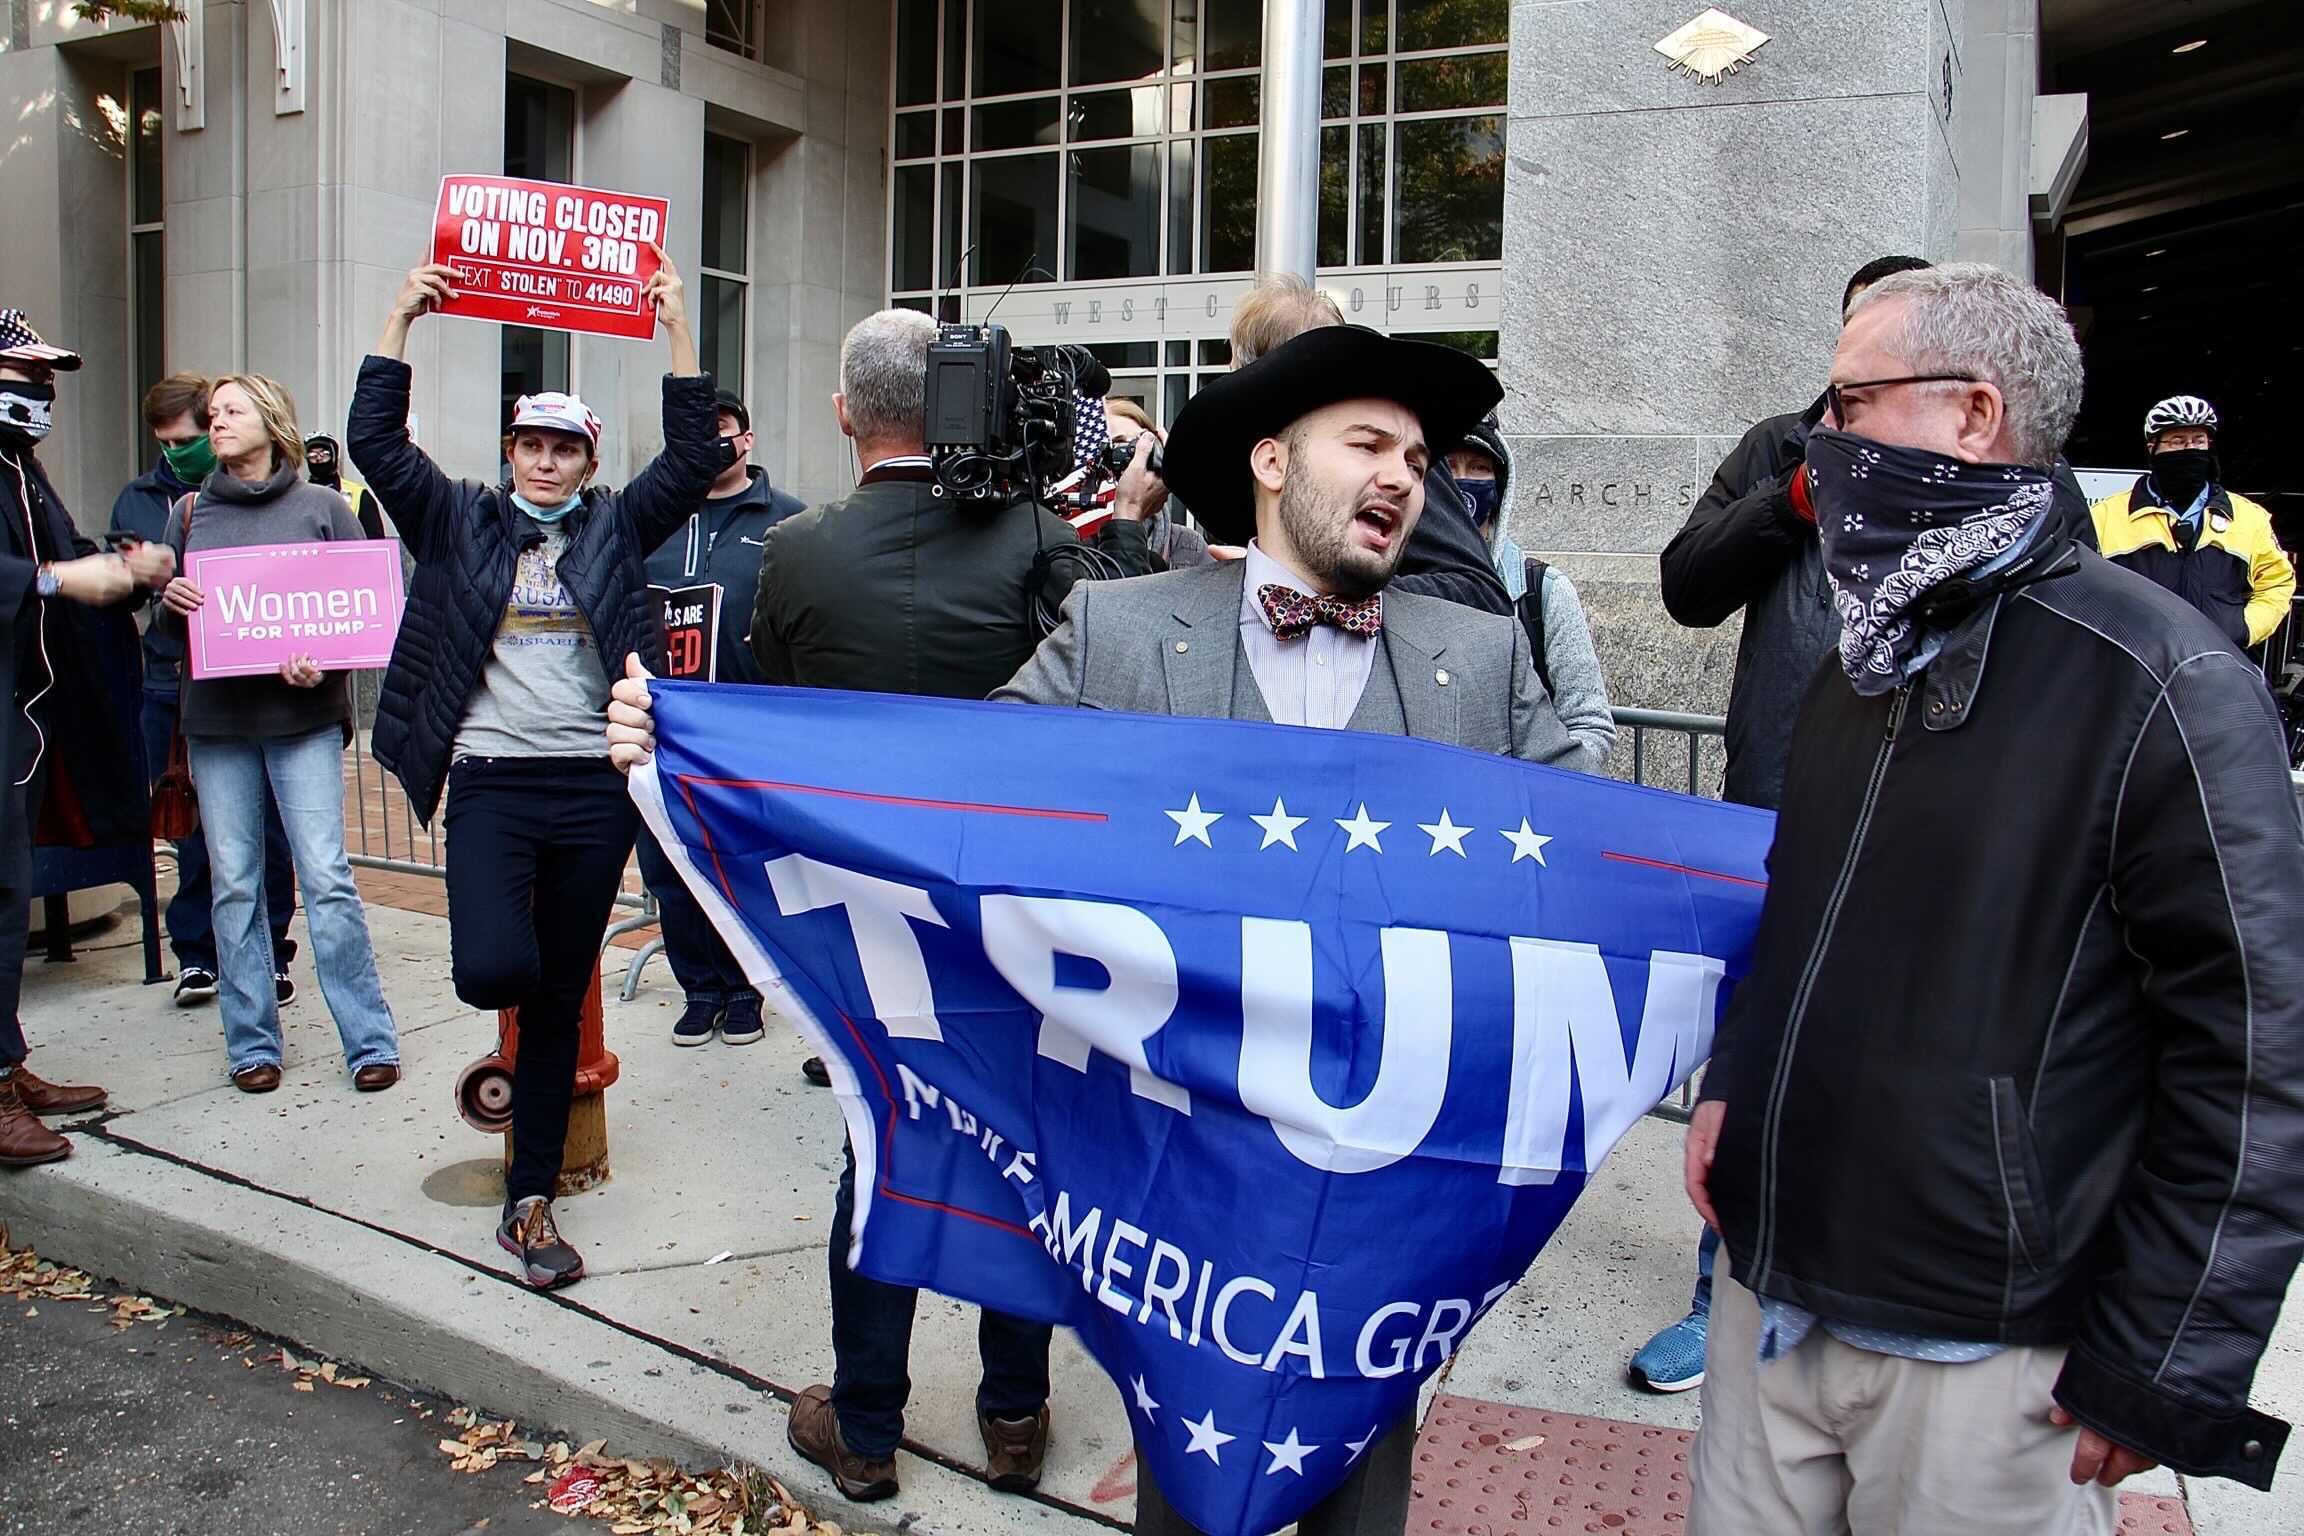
(306, 777)
(191, 925)
(1707, 1247)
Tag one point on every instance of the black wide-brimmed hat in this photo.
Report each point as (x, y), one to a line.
(1206, 458)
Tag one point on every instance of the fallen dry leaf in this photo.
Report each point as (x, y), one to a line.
(1524, 1443)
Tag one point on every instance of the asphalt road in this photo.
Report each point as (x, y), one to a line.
(163, 1431)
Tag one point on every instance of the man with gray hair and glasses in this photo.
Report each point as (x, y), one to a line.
(2002, 1130)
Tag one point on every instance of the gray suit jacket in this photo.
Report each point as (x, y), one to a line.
(1170, 645)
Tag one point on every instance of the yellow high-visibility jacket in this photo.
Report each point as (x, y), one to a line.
(2237, 574)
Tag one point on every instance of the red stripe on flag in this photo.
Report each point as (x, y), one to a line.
(1686, 869)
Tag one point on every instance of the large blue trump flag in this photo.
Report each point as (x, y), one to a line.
(1266, 1058)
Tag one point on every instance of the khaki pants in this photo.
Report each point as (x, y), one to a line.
(1830, 1440)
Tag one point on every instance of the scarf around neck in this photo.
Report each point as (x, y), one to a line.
(1896, 524)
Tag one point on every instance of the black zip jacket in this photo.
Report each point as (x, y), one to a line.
(1744, 550)
(142, 508)
(721, 543)
(466, 538)
(1445, 555)
(2021, 1054)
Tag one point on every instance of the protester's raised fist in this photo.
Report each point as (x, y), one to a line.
(666, 291)
(631, 718)
(427, 288)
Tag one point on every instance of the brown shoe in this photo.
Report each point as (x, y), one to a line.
(374, 1079)
(46, 1098)
(24, 1141)
(256, 1079)
(814, 1431)
(1014, 1450)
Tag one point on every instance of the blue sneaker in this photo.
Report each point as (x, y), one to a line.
(1672, 1361)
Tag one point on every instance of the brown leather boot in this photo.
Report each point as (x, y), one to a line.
(814, 1431)
(46, 1098)
(1014, 1450)
(24, 1141)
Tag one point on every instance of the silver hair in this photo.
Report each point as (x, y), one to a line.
(1970, 318)
(884, 374)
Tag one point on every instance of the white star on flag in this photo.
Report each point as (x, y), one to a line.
(1193, 822)
(1361, 1444)
(1206, 1437)
(1525, 844)
(1361, 832)
(1445, 834)
(1279, 827)
(1289, 1453)
(1144, 1399)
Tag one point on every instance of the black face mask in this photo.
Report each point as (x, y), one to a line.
(322, 469)
(2181, 474)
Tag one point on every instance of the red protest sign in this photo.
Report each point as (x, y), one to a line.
(545, 254)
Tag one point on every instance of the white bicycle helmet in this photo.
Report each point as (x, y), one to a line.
(2178, 411)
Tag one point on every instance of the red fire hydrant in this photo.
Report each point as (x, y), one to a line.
(484, 1093)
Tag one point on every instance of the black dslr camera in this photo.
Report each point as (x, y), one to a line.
(1000, 417)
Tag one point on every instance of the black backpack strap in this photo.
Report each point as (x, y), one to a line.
(1531, 611)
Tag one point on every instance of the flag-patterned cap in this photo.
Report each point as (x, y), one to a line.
(19, 343)
(559, 412)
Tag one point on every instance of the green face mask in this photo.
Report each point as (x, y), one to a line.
(190, 462)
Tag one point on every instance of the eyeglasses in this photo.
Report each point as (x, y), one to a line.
(1838, 407)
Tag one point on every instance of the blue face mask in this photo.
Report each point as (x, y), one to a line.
(1484, 497)
(546, 515)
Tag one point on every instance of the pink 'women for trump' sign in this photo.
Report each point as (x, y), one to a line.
(338, 603)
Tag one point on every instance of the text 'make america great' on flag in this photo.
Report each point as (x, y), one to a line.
(1266, 1058)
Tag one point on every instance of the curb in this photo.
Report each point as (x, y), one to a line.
(409, 1312)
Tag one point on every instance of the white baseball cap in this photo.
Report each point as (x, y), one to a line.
(558, 412)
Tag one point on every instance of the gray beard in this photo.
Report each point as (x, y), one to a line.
(1319, 529)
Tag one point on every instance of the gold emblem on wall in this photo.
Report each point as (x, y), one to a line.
(1712, 47)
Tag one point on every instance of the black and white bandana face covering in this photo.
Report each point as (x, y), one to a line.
(27, 411)
(1899, 522)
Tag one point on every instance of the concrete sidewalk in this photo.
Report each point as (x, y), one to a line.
(362, 1226)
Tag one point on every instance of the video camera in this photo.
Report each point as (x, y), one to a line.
(1000, 417)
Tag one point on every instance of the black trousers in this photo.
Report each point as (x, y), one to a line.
(707, 973)
(536, 850)
(1373, 1501)
(16, 909)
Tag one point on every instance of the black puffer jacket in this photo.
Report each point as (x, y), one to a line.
(2021, 1054)
(465, 538)
(1744, 550)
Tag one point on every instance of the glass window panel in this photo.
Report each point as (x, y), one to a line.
(1016, 124)
(1177, 390)
(1012, 218)
(1116, 114)
(531, 361)
(1185, 35)
(955, 133)
(1450, 205)
(1016, 45)
(916, 303)
(1228, 205)
(915, 52)
(1452, 23)
(1336, 30)
(1232, 32)
(1335, 194)
(1231, 103)
(1116, 40)
(144, 104)
(1180, 246)
(1374, 16)
(1467, 80)
(1336, 92)
(915, 135)
(720, 330)
(1179, 109)
(1217, 349)
(1179, 353)
(727, 167)
(1115, 213)
(1481, 344)
(151, 313)
(539, 131)
(955, 50)
(949, 246)
(1371, 90)
(1127, 354)
(915, 231)
(1369, 199)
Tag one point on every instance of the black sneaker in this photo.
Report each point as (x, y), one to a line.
(816, 1072)
(195, 984)
(696, 1023)
(530, 1235)
(284, 987)
(741, 1025)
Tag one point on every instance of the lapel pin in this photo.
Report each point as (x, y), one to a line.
(1182, 647)
(1441, 677)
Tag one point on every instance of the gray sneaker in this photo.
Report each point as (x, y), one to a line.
(530, 1235)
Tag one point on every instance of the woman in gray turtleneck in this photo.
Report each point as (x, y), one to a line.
(289, 730)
